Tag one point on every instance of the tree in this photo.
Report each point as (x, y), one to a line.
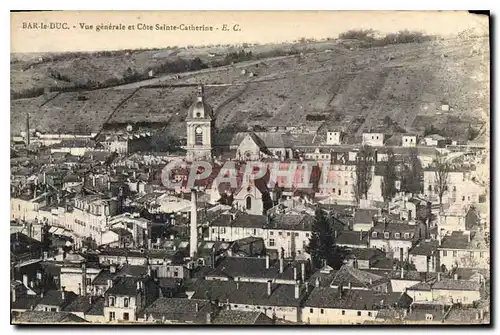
(441, 171)
(412, 173)
(363, 178)
(389, 184)
(322, 243)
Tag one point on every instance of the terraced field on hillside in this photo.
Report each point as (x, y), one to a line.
(355, 89)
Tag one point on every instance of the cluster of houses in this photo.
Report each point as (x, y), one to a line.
(97, 236)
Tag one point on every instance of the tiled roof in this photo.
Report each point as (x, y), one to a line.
(352, 238)
(425, 248)
(179, 309)
(54, 298)
(245, 293)
(456, 285)
(365, 215)
(236, 317)
(327, 297)
(357, 278)
(37, 317)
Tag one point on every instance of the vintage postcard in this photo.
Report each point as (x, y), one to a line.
(276, 168)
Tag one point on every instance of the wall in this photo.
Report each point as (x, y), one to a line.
(335, 316)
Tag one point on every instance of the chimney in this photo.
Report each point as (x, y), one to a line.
(371, 281)
(341, 291)
(90, 299)
(138, 285)
(402, 272)
(307, 287)
(297, 290)
(193, 238)
(267, 261)
(84, 278)
(110, 283)
(237, 285)
(269, 283)
(150, 244)
(281, 265)
(197, 307)
(439, 276)
(317, 282)
(303, 271)
(25, 280)
(31, 283)
(63, 293)
(79, 289)
(112, 268)
(13, 293)
(93, 180)
(295, 273)
(335, 234)
(349, 285)
(455, 276)
(209, 317)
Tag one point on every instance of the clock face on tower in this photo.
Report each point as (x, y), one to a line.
(199, 130)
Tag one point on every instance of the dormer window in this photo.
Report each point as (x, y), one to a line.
(429, 317)
(407, 235)
(374, 234)
(386, 235)
(397, 235)
(198, 114)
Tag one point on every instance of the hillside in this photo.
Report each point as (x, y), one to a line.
(358, 89)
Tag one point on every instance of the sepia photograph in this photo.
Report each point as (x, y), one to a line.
(250, 168)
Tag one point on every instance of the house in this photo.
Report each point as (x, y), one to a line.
(446, 291)
(279, 301)
(396, 238)
(55, 300)
(179, 310)
(333, 137)
(288, 232)
(327, 305)
(364, 219)
(77, 278)
(434, 140)
(127, 143)
(464, 250)
(127, 296)
(408, 140)
(257, 145)
(75, 147)
(90, 308)
(258, 270)
(425, 256)
(39, 317)
(373, 139)
(232, 317)
(355, 279)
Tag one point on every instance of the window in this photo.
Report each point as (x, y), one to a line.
(346, 183)
(311, 310)
(359, 313)
(125, 316)
(471, 254)
(111, 301)
(397, 235)
(307, 234)
(249, 203)
(53, 309)
(176, 274)
(271, 233)
(272, 243)
(454, 188)
(125, 302)
(343, 312)
(374, 234)
(88, 281)
(386, 235)
(288, 233)
(429, 317)
(481, 254)
(340, 192)
(407, 235)
(296, 234)
(445, 253)
(111, 316)
(198, 136)
(430, 188)
(369, 313)
(322, 311)
(255, 231)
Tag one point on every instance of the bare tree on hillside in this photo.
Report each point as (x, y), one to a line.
(390, 176)
(442, 169)
(364, 173)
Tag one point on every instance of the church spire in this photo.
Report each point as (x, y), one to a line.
(201, 92)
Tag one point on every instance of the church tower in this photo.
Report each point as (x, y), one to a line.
(199, 123)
